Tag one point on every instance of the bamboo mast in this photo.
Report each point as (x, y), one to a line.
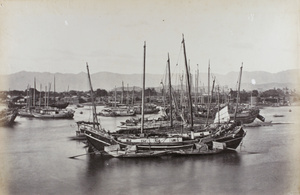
(132, 96)
(170, 91)
(34, 92)
(127, 96)
(208, 87)
(54, 88)
(49, 94)
(163, 94)
(115, 96)
(208, 109)
(218, 104)
(40, 95)
(95, 119)
(197, 88)
(189, 86)
(238, 92)
(45, 96)
(27, 100)
(143, 91)
(122, 97)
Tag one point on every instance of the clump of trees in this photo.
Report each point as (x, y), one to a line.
(272, 93)
(101, 93)
(244, 95)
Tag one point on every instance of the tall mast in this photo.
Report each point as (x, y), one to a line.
(132, 96)
(208, 109)
(40, 95)
(238, 92)
(49, 94)
(189, 86)
(170, 91)
(127, 96)
(27, 100)
(197, 87)
(45, 104)
(95, 119)
(218, 104)
(122, 97)
(30, 95)
(34, 92)
(181, 90)
(54, 88)
(115, 96)
(163, 94)
(143, 91)
(208, 87)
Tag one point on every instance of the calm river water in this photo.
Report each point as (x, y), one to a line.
(35, 153)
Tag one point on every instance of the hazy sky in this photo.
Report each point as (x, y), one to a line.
(60, 36)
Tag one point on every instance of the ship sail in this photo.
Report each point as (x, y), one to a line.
(222, 116)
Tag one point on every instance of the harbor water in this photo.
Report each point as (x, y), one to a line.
(35, 159)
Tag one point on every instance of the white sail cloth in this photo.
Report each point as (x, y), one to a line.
(222, 116)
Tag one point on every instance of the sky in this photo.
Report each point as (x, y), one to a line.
(61, 36)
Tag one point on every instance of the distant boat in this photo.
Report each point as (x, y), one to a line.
(247, 115)
(149, 109)
(149, 123)
(60, 105)
(244, 115)
(106, 112)
(278, 115)
(25, 112)
(114, 112)
(54, 114)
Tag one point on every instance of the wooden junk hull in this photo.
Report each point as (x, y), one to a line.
(99, 141)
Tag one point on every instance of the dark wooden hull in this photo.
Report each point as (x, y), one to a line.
(8, 117)
(231, 143)
(60, 105)
(99, 142)
(231, 140)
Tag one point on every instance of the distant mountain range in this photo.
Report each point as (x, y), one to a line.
(106, 80)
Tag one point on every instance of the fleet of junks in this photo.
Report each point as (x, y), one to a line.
(180, 129)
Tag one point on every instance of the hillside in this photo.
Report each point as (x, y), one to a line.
(108, 81)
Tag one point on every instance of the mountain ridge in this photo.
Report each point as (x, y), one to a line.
(109, 80)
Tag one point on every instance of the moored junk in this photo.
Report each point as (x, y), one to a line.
(44, 107)
(119, 111)
(247, 115)
(54, 113)
(230, 136)
(47, 112)
(149, 109)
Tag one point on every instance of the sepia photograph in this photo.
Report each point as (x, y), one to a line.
(150, 97)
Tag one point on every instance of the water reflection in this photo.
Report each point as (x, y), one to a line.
(37, 152)
(113, 175)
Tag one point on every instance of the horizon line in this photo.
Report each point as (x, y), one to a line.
(140, 73)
